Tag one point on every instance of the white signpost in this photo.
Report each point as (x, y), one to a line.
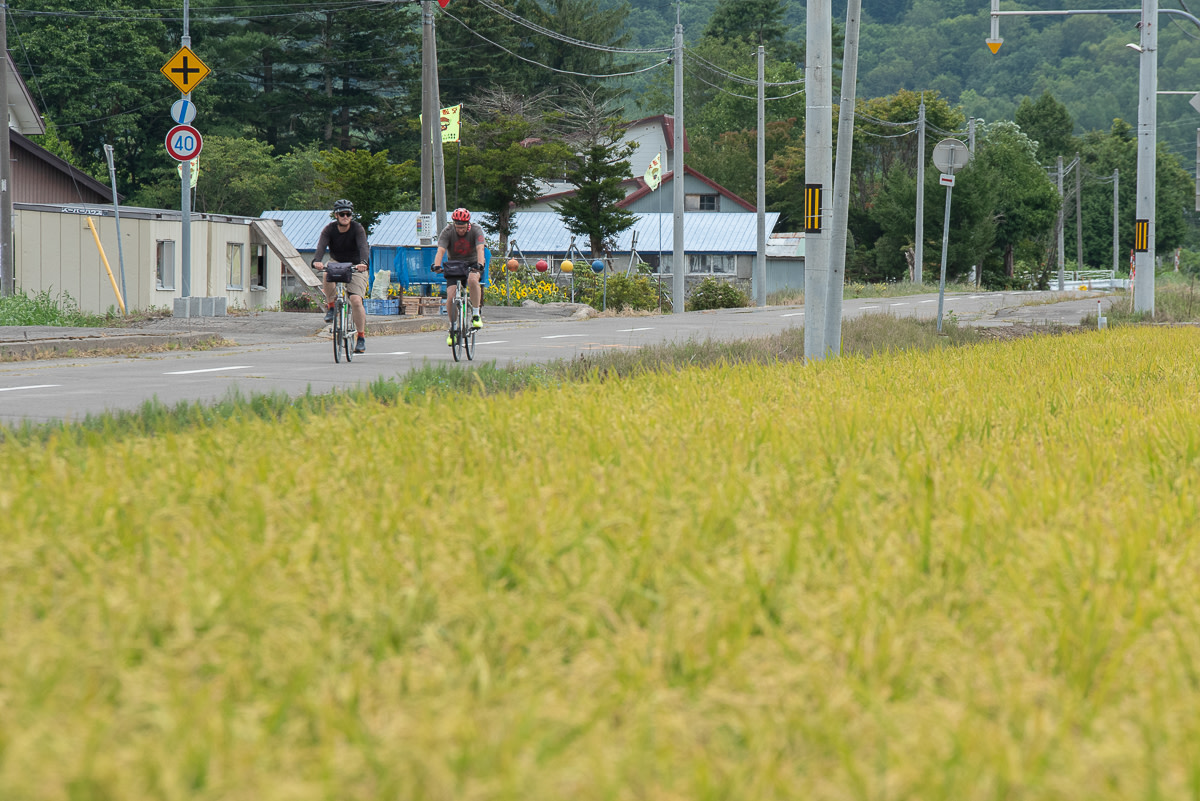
(949, 156)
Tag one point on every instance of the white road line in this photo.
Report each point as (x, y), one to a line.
(209, 370)
(31, 386)
(493, 342)
(975, 297)
(897, 304)
(627, 330)
(865, 308)
(560, 336)
(793, 314)
(927, 301)
(398, 353)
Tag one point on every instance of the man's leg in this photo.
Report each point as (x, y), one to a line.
(476, 294)
(330, 294)
(451, 309)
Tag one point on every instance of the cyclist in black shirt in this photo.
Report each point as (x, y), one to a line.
(346, 241)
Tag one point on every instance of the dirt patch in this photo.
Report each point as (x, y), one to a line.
(1003, 333)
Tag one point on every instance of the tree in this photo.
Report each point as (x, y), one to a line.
(504, 157)
(1101, 153)
(80, 60)
(1024, 201)
(366, 179)
(598, 166)
(1048, 123)
(346, 77)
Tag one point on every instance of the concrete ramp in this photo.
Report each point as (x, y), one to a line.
(272, 233)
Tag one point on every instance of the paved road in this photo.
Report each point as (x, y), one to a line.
(282, 352)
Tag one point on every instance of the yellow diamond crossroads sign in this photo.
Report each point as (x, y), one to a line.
(185, 70)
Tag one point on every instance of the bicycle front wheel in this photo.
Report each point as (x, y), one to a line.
(347, 327)
(339, 332)
(458, 332)
(469, 342)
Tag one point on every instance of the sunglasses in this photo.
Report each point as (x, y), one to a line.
(462, 225)
(344, 214)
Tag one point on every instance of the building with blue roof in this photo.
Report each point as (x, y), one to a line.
(721, 245)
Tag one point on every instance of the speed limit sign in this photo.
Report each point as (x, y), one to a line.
(184, 143)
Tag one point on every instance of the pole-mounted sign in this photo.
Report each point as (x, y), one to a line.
(949, 156)
(184, 143)
(812, 208)
(185, 70)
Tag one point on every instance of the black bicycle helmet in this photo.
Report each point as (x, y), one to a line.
(343, 205)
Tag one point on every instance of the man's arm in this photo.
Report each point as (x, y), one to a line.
(322, 246)
(364, 249)
(437, 260)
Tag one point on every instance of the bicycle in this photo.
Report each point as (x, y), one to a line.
(339, 272)
(462, 335)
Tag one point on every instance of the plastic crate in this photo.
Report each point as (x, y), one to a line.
(382, 305)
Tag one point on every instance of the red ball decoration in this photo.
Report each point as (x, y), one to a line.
(513, 264)
(542, 266)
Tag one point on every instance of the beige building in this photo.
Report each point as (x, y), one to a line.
(238, 259)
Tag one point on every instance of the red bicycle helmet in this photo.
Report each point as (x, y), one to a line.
(461, 216)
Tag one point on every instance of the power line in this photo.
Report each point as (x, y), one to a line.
(533, 26)
(547, 66)
(734, 76)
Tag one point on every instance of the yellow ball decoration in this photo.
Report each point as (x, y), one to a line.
(566, 266)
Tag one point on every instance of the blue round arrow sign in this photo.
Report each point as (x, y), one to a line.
(183, 111)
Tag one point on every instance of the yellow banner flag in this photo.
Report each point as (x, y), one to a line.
(653, 176)
(449, 122)
(195, 170)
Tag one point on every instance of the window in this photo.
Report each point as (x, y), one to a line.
(702, 203)
(702, 263)
(258, 267)
(719, 264)
(234, 255)
(164, 264)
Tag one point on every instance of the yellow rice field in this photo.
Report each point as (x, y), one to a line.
(965, 574)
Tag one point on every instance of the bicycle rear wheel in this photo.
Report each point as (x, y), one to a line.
(347, 337)
(339, 332)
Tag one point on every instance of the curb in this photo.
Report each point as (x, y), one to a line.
(120, 343)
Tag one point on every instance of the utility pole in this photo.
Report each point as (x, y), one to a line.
(841, 181)
(8, 276)
(818, 174)
(760, 198)
(919, 244)
(428, 115)
(1078, 214)
(1116, 221)
(1143, 298)
(439, 162)
(678, 259)
(1058, 234)
(971, 134)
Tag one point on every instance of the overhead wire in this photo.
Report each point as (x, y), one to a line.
(735, 94)
(547, 66)
(734, 76)
(533, 26)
